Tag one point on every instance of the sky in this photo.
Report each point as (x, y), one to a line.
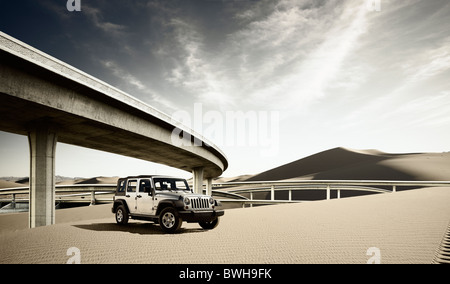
(269, 81)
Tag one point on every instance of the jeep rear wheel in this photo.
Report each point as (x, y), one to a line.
(122, 215)
(209, 225)
(169, 220)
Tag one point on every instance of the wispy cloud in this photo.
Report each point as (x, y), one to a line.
(426, 111)
(429, 64)
(297, 51)
(294, 51)
(419, 95)
(96, 16)
(252, 64)
(123, 75)
(136, 87)
(401, 66)
(194, 69)
(314, 75)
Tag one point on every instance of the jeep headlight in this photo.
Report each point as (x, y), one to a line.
(187, 201)
(211, 201)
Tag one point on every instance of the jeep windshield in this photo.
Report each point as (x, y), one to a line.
(171, 184)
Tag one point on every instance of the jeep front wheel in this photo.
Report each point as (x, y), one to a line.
(209, 225)
(169, 220)
(122, 215)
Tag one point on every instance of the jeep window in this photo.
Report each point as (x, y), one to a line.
(170, 184)
(144, 185)
(131, 186)
(181, 185)
(121, 186)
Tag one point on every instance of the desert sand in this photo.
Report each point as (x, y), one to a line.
(9, 184)
(406, 227)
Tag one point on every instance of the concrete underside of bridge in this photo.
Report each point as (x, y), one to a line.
(49, 101)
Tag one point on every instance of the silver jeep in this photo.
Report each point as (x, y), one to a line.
(167, 201)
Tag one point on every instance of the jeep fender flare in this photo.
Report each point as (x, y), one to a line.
(119, 202)
(177, 204)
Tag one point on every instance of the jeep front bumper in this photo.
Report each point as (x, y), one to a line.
(200, 216)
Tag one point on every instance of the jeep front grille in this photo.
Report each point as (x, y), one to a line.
(200, 203)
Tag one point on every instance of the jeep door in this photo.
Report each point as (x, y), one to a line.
(130, 196)
(144, 199)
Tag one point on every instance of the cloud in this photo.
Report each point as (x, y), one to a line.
(301, 51)
(136, 87)
(427, 111)
(429, 64)
(194, 69)
(96, 17)
(123, 75)
(286, 48)
(94, 14)
(396, 73)
(296, 51)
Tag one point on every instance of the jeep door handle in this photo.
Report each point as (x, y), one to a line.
(139, 196)
(127, 195)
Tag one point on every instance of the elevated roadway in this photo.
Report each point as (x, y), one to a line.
(50, 101)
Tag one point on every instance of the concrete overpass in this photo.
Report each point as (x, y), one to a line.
(50, 101)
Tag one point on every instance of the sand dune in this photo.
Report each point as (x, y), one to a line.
(232, 179)
(61, 181)
(343, 163)
(94, 180)
(9, 184)
(98, 180)
(67, 181)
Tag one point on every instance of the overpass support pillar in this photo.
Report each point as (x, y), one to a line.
(198, 179)
(42, 141)
(209, 182)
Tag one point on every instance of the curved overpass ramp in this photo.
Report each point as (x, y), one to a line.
(51, 101)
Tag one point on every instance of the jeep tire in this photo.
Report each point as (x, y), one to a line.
(209, 225)
(122, 215)
(169, 220)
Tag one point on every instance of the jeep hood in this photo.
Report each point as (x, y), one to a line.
(176, 194)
